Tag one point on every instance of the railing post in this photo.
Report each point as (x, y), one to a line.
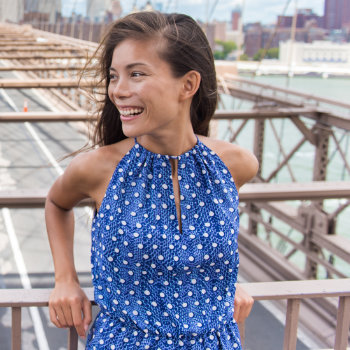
(290, 331)
(72, 339)
(241, 327)
(16, 328)
(343, 324)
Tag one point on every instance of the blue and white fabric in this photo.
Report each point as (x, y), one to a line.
(159, 287)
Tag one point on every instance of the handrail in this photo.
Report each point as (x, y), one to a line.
(269, 192)
(292, 291)
(288, 91)
(43, 116)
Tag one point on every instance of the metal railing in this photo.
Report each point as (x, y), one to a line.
(292, 291)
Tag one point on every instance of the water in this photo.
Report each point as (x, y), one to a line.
(301, 164)
(333, 88)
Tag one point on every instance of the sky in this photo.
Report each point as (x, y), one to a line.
(265, 11)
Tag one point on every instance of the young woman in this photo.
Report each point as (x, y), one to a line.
(164, 236)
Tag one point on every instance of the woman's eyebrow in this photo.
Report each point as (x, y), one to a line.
(130, 65)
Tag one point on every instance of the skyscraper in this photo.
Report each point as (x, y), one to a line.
(346, 13)
(236, 18)
(336, 13)
(11, 10)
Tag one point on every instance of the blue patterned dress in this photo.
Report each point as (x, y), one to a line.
(157, 287)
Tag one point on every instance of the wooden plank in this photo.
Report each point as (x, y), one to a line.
(41, 57)
(16, 330)
(343, 324)
(263, 113)
(40, 68)
(66, 39)
(298, 289)
(43, 83)
(28, 199)
(259, 291)
(295, 191)
(45, 117)
(336, 244)
(72, 339)
(249, 192)
(229, 115)
(291, 326)
(47, 47)
(241, 327)
(31, 297)
(291, 92)
(29, 42)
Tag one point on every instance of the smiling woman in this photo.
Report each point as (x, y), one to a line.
(146, 93)
(164, 235)
(175, 41)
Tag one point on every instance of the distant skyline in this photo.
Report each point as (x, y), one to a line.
(253, 10)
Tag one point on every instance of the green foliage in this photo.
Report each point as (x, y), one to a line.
(269, 54)
(219, 55)
(227, 47)
(244, 57)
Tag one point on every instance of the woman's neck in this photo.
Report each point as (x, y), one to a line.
(171, 143)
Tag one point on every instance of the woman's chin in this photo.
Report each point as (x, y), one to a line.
(132, 132)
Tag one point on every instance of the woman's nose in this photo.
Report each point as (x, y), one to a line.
(121, 88)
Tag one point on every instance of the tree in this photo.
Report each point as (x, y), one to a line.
(226, 48)
(268, 54)
(244, 57)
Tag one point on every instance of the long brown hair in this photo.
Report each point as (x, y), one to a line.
(185, 48)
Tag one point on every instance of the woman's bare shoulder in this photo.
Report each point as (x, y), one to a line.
(242, 163)
(92, 169)
(102, 158)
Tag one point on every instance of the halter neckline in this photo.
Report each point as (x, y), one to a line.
(166, 156)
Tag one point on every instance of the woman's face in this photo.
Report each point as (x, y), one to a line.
(144, 90)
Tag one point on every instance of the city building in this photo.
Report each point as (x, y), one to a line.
(257, 37)
(320, 52)
(309, 27)
(96, 10)
(11, 11)
(253, 40)
(220, 30)
(304, 17)
(236, 19)
(42, 11)
(116, 9)
(209, 30)
(237, 37)
(236, 34)
(336, 14)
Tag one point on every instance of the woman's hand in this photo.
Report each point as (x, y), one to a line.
(70, 307)
(243, 304)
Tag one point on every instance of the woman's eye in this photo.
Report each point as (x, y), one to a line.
(136, 74)
(112, 77)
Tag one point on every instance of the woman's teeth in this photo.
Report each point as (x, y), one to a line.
(132, 111)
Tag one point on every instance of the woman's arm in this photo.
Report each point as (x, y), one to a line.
(243, 166)
(68, 304)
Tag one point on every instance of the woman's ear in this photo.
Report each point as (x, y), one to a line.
(191, 81)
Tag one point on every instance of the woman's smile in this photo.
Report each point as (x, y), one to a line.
(129, 113)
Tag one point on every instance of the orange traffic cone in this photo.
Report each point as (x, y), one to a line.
(25, 106)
